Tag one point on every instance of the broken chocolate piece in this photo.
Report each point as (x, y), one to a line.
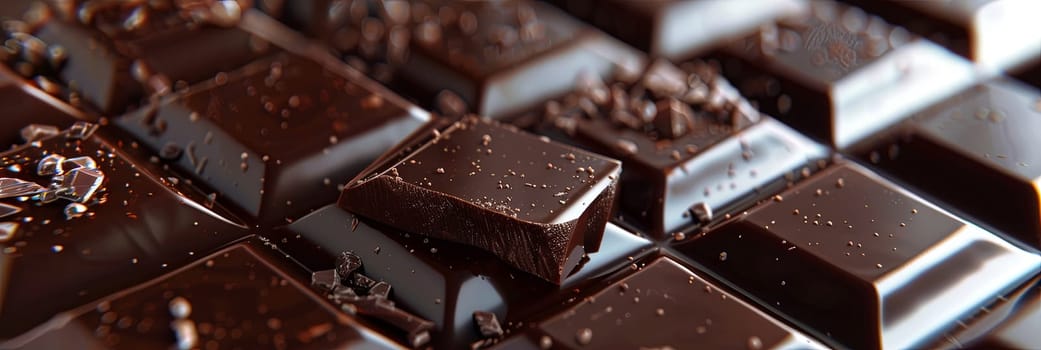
(666, 305)
(690, 144)
(371, 300)
(536, 204)
(487, 324)
(125, 226)
(326, 280)
(675, 29)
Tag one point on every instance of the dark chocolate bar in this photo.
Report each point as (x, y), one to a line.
(278, 137)
(676, 29)
(861, 261)
(839, 74)
(987, 136)
(236, 298)
(447, 282)
(990, 32)
(693, 149)
(118, 53)
(80, 219)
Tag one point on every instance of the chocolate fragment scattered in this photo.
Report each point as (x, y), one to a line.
(487, 324)
(97, 216)
(358, 294)
(502, 189)
(687, 140)
(447, 282)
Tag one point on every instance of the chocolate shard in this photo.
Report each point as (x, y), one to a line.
(373, 302)
(665, 305)
(130, 226)
(325, 280)
(487, 324)
(971, 28)
(535, 204)
(667, 28)
(277, 136)
(347, 264)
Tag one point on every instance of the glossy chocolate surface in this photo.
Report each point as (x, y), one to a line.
(119, 54)
(862, 262)
(677, 28)
(678, 305)
(473, 56)
(699, 145)
(979, 30)
(839, 75)
(62, 254)
(24, 105)
(447, 282)
(276, 137)
(237, 298)
(987, 135)
(505, 188)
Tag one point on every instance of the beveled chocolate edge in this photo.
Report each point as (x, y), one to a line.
(261, 25)
(61, 319)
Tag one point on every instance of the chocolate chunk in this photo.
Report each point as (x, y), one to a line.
(326, 280)
(236, 298)
(276, 137)
(373, 302)
(129, 228)
(691, 153)
(839, 75)
(536, 204)
(677, 28)
(487, 324)
(986, 138)
(447, 282)
(347, 264)
(665, 305)
(862, 262)
(978, 30)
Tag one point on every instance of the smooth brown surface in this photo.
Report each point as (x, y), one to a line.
(276, 137)
(238, 298)
(861, 261)
(505, 188)
(135, 228)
